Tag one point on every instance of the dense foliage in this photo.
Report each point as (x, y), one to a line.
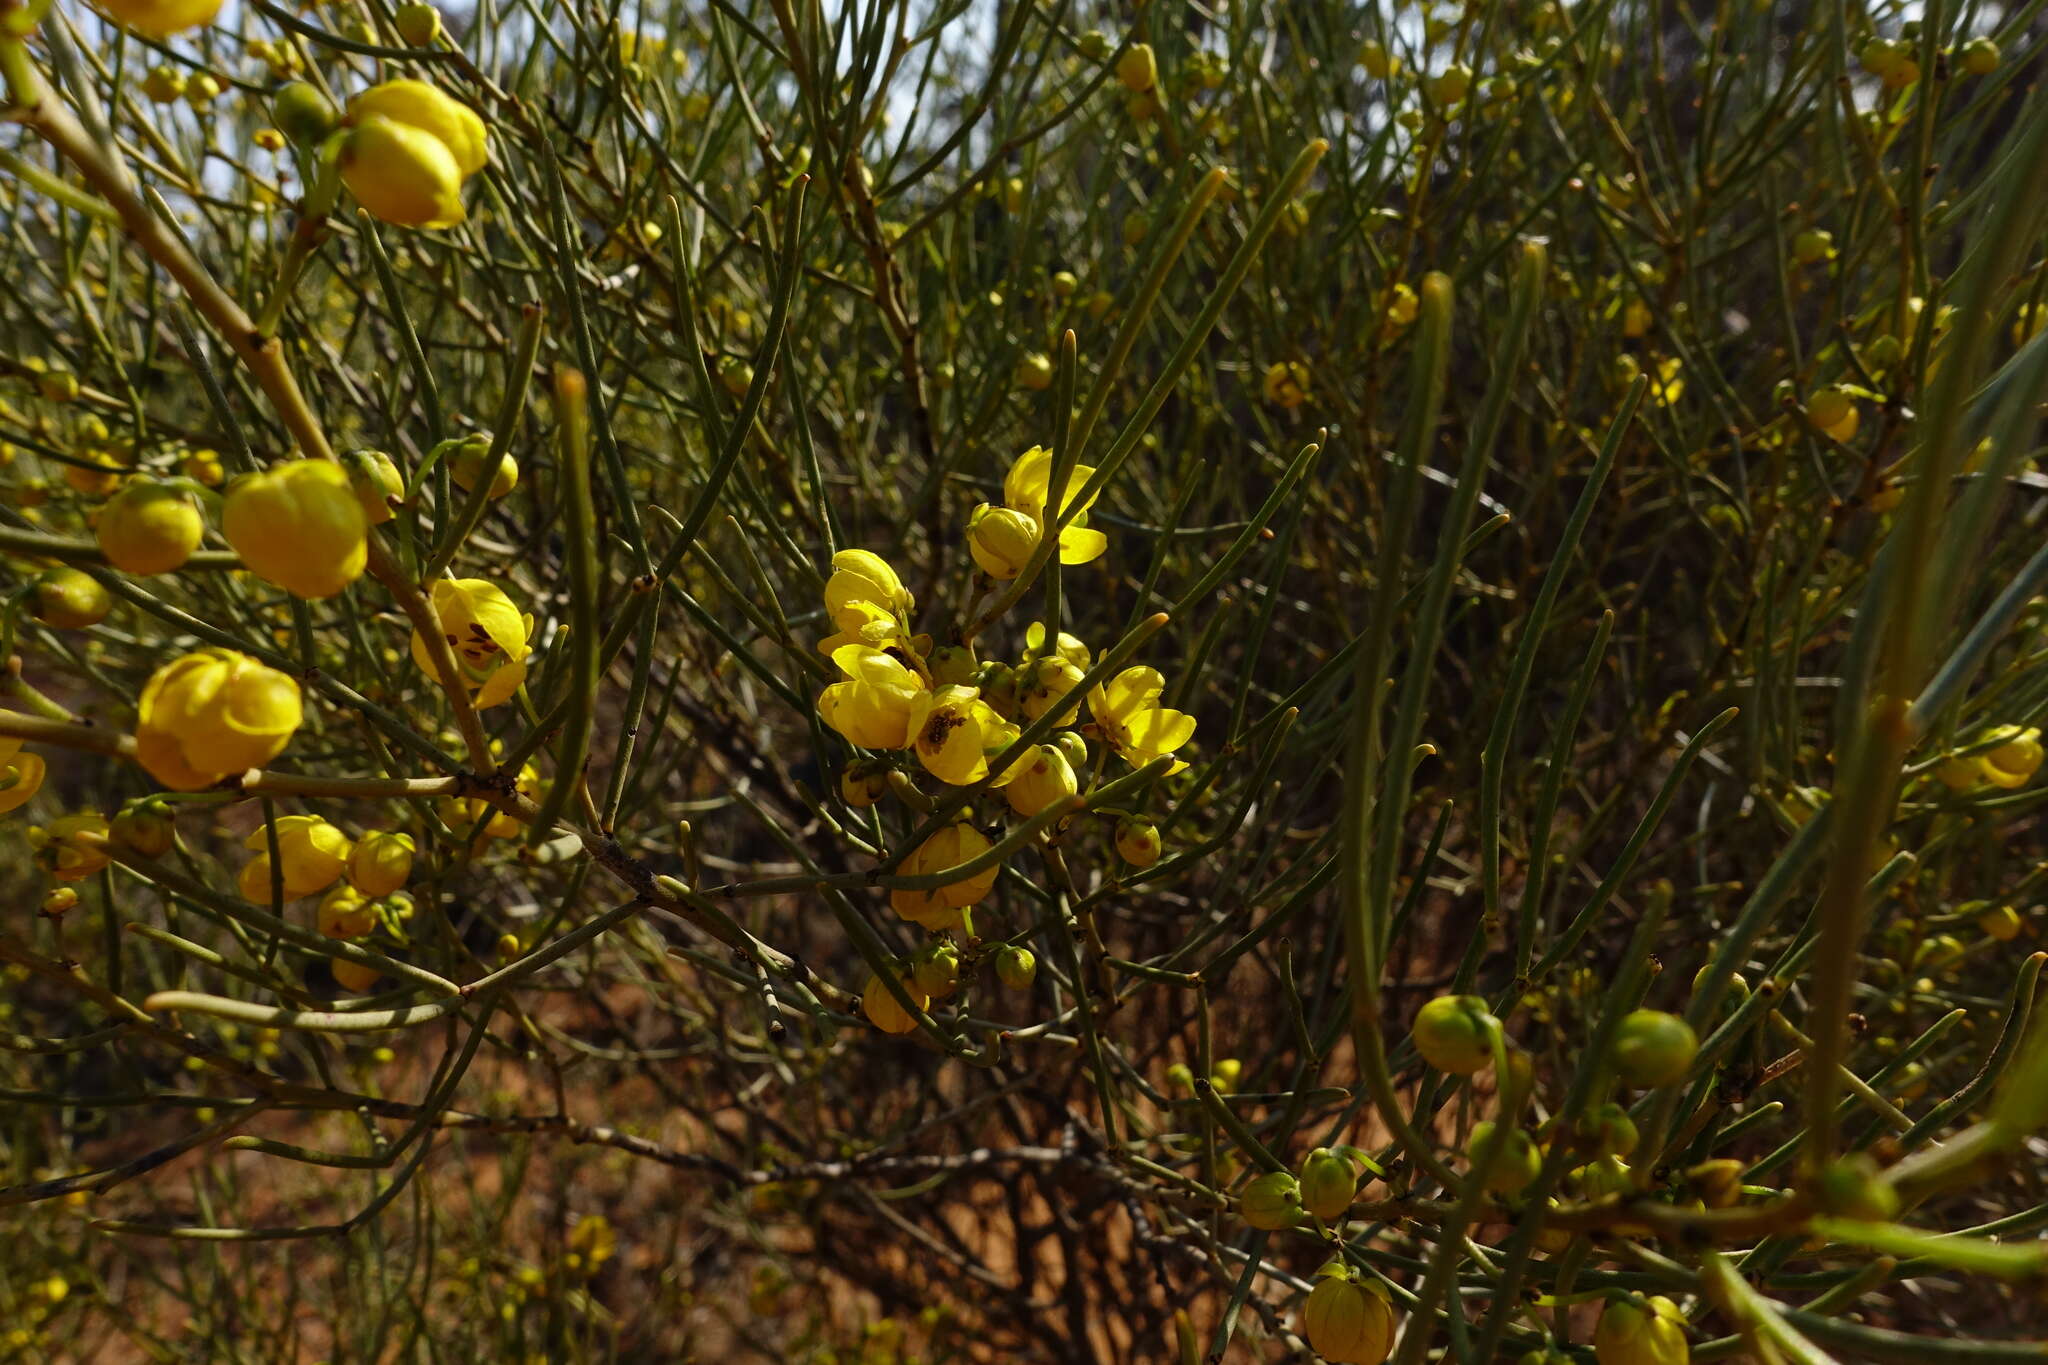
(1022, 681)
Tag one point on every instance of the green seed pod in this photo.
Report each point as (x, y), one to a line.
(302, 113)
(1513, 1167)
(1654, 1049)
(1455, 1033)
(1017, 968)
(1329, 1183)
(1272, 1202)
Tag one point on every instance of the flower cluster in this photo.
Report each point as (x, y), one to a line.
(959, 718)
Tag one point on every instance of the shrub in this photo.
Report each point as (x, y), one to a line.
(1082, 683)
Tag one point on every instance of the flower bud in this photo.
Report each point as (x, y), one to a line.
(1513, 1167)
(1016, 967)
(419, 24)
(203, 89)
(1373, 58)
(1137, 842)
(882, 1009)
(343, 913)
(1045, 683)
(466, 466)
(2001, 923)
(212, 714)
(1813, 246)
(145, 828)
(163, 84)
(1137, 69)
(1043, 777)
(937, 970)
(353, 977)
(313, 853)
(1632, 1335)
(70, 599)
(1718, 1182)
(376, 482)
(1347, 1322)
(302, 113)
(409, 148)
(1609, 1130)
(2015, 759)
(1272, 1202)
(380, 862)
(864, 783)
(1223, 1080)
(1852, 1187)
(1034, 371)
(1455, 1033)
(1980, 57)
(735, 374)
(1451, 85)
(60, 900)
(1653, 1049)
(1001, 539)
(148, 528)
(1064, 284)
(203, 466)
(1074, 747)
(1329, 1182)
(298, 525)
(1605, 1178)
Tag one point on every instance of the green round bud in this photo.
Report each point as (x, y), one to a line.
(1070, 743)
(1852, 1187)
(1828, 407)
(377, 483)
(1137, 842)
(1605, 1177)
(1653, 1334)
(418, 23)
(1017, 968)
(1034, 371)
(1094, 44)
(70, 599)
(1329, 1182)
(1272, 1202)
(1653, 1048)
(1348, 1322)
(302, 113)
(1137, 70)
(1883, 353)
(1980, 57)
(1513, 1167)
(953, 665)
(864, 783)
(1455, 1033)
(1813, 246)
(146, 829)
(1064, 283)
(937, 970)
(1610, 1130)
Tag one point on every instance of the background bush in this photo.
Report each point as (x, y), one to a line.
(1551, 462)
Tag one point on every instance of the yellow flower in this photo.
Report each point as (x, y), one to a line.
(881, 1007)
(2015, 759)
(148, 528)
(95, 479)
(20, 775)
(1286, 383)
(162, 18)
(313, 853)
(299, 526)
(72, 847)
(409, 148)
(212, 714)
(939, 908)
(956, 733)
(343, 912)
(354, 977)
(1001, 540)
(380, 862)
(1129, 718)
(488, 635)
(1028, 487)
(861, 576)
(873, 707)
(1043, 777)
